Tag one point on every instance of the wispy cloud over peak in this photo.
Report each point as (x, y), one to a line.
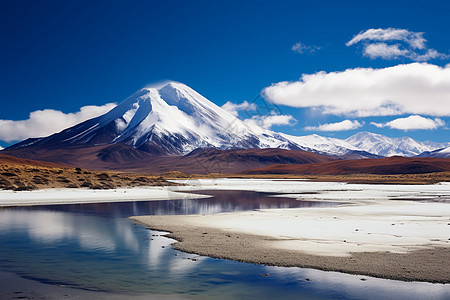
(302, 48)
(384, 51)
(234, 108)
(339, 126)
(267, 121)
(414, 122)
(414, 39)
(392, 43)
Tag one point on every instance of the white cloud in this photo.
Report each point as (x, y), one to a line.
(430, 54)
(339, 126)
(414, 122)
(406, 44)
(48, 121)
(267, 121)
(416, 88)
(384, 51)
(414, 39)
(272, 117)
(234, 108)
(302, 48)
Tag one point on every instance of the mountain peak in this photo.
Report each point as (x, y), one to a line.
(167, 85)
(169, 118)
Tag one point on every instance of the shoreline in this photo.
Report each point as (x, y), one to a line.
(357, 178)
(405, 255)
(190, 240)
(56, 196)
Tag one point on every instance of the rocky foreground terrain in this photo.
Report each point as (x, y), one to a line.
(23, 175)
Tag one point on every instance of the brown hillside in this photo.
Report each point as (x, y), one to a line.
(382, 166)
(12, 160)
(121, 157)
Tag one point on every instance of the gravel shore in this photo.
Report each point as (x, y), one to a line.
(397, 252)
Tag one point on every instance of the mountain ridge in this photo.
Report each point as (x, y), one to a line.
(174, 120)
(441, 153)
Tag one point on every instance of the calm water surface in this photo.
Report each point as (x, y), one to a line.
(96, 247)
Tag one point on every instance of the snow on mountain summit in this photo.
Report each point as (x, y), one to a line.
(174, 119)
(387, 146)
(168, 119)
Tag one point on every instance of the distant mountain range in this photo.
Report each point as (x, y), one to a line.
(165, 127)
(385, 146)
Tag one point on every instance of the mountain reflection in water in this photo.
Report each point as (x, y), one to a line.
(96, 247)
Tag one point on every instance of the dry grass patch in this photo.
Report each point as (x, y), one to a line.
(25, 177)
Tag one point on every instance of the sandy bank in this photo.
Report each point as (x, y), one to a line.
(401, 240)
(76, 196)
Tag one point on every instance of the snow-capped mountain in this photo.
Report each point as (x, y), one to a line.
(171, 119)
(387, 146)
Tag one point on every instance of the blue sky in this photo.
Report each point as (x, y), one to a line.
(64, 55)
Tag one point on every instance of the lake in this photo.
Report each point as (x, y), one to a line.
(96, 247)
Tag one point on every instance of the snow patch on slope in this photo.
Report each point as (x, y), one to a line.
(442, 153)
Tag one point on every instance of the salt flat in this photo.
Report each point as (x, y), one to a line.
(393, 231)
(398, 227)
